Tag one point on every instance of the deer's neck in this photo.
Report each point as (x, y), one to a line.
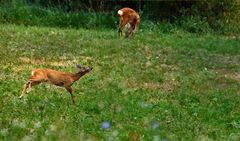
(77, 76)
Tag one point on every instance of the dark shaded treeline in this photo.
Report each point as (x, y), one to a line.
(153, 10)
(193, 16)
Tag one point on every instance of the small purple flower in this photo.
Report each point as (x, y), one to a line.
(105, 125)
(155, 125)
(142, 104)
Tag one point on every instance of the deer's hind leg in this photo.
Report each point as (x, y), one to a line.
(25, 87)
(129, 31)
(28, 87)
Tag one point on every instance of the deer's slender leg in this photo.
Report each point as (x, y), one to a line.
(122, 24)
(133, 27)
(136, 25)
(130, 29)
(69, 89)
(28, 87)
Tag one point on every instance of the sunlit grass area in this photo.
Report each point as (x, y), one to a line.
(158, 86)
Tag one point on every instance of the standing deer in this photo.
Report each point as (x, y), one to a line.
(130, 19)
(58, 78)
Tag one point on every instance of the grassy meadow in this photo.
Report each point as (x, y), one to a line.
(157, 85)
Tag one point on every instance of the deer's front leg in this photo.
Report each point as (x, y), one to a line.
(69, 89)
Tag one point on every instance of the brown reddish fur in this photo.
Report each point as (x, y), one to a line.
(58, 78)
(131, 17)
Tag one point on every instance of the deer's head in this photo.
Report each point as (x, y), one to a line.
(83, 70)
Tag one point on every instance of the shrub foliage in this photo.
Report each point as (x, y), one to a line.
(193, 16)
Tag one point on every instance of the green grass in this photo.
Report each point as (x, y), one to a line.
(175, 86)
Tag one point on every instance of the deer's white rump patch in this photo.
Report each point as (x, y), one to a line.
(120, 12)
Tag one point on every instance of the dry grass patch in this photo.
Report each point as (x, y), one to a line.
(168, 85)
(61, 63)
(235, 76)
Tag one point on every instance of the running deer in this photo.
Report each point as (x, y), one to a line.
(58, 78)
(130, 19)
